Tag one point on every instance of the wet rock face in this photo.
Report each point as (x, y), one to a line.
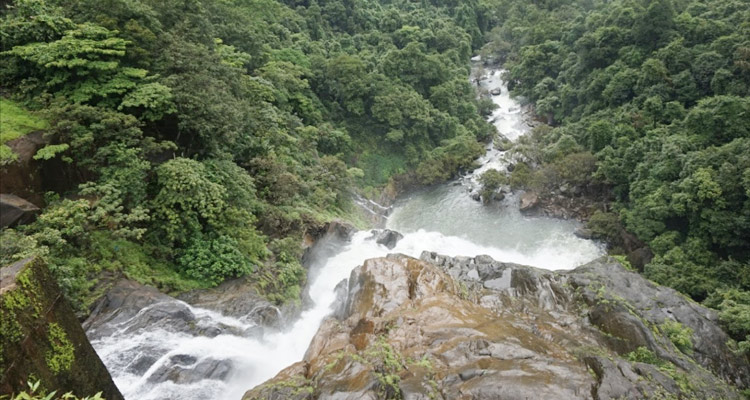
(147, 321)
(185, 369)
(387, 238)
(236, 298)
(529, 200)
(475, 328)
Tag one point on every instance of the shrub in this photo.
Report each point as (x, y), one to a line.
(734, 314)
(680, 335)
(214, 259)
(492, 180)
(644, 355)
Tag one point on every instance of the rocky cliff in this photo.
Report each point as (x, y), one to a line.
(475, 328)
(41, 338)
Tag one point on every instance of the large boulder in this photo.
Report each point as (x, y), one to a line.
(186, 369)
(16, 211)
(474, 328)
(387, 237)
(237, 298)
(529, 200)
(23, 176)
(40, 337)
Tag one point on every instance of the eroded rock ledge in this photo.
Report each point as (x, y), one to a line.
(475, 328)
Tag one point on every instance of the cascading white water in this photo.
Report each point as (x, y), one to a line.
(443, 219)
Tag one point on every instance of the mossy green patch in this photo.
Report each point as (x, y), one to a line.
(679, 335)
(387, 364)
(14, 123)
(623, 260)
(19, 302)
(644, 355)
(61, 355)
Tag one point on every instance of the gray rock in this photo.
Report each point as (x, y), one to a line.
(236, 298)
(124, 302)
(387, 238)
(470, 373)
(529, 200)
(339, 305)
(16, 211)
(178, 371)
(143, 362)
(583, 233)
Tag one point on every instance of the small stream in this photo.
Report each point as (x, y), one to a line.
(443, 218)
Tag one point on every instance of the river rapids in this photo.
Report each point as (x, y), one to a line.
(444, 219)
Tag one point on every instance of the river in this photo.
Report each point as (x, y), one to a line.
(443, 218)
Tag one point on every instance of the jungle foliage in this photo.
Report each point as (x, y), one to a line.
(652, 100)
(204, 136)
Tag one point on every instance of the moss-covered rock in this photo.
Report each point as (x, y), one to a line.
(40, 337)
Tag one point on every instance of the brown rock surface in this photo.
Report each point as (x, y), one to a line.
(529, 200)
(475, 328)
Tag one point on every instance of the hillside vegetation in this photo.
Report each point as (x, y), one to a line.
(203, 137)
(650, 99)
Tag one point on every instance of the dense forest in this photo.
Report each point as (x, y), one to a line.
(200, 139)
(650, 100)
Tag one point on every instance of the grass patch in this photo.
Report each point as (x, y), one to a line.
(14, 123)
(378, 168)
(137, 263)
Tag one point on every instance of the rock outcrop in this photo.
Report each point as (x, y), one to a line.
(387, 237)
(475, 328)
(16, 211)
(41, 337)
(529, 200)
(23, 176)
(130, 309)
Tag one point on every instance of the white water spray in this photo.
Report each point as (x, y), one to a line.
(442, 219)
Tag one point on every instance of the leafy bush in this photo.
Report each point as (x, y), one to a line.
(734, 314)
(680, 335)
(282, 282)
(36, 392)
(644, 355)
(214, 259)
(491, 180)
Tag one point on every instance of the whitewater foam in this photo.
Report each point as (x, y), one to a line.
(442, 219)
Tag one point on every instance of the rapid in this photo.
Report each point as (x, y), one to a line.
(444, 219)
